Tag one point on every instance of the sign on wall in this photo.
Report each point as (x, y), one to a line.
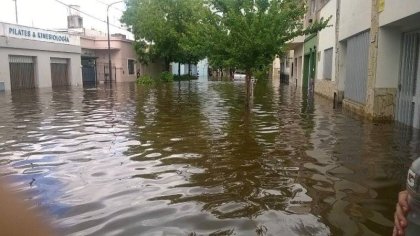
(381, 5)
(22, 32)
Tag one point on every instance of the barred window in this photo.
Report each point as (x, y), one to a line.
(131, 66)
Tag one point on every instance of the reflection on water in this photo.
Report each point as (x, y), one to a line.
(191, 160)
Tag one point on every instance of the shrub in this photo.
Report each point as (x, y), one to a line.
(261, 75)
(145, 79)
(184, 77)
(166, 76)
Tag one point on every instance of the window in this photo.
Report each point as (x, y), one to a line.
(328, 60)
(131, 66)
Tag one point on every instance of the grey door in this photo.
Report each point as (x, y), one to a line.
(357, 67)
(59, 72)
(408, 96)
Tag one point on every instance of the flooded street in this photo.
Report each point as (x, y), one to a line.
(191, 160)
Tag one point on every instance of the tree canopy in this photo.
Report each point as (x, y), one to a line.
(163, 29)
(250, 33)
(241, 34)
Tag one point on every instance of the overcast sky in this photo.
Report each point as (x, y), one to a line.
(49, 14)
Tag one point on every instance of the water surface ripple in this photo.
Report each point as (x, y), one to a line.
(190, 159)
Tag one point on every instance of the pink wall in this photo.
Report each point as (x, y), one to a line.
(121, 51)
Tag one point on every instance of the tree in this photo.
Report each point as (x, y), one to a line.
(248, 34)
(165, 29)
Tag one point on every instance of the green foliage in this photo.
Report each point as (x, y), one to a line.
(247, 34)
(166, 76)
(261, 74)
(237, 34)
(145, 80)
(165, 29)
(185, 77)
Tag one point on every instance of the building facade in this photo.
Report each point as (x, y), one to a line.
(380, 81)
(95, 58)
(123, 57)
(125, 66)
(37, 58)
(368, 58)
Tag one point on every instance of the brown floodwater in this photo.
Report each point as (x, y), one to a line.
(192, 160)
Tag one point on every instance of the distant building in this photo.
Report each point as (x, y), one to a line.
(184, 69)
(203, 68)
(37, 58)
(94, 55)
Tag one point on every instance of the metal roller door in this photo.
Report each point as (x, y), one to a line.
(357, 67)
(22, 72)
(408, 97)
(59, 72)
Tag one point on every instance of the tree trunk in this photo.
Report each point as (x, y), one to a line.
(189, 69)
(231, 73)
(167, 65)
(179, 69)
(248, 86)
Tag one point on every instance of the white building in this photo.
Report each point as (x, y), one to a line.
(183, 69)
(379, 63)
(368, 58)
(296, 75)
(36, 58)
(397, 78)
(203, 68)
(354, 38)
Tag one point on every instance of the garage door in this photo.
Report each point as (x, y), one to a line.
(408, 96)
(357, 67)
(22, 72)
(59, 72)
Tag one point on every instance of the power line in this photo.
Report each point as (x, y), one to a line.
(87, 14)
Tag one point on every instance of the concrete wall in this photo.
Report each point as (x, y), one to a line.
(153, 69)
(276, 68)
(342, 65)
(87, 42)
(125, 53)
(326, 38)
(325, 88)
(355, 17)
(121, 51)
(43, 52)
(389, 56)
(398, 9)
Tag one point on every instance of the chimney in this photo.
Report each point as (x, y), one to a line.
(74, 20)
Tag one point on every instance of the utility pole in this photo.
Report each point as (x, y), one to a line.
(109, 41)
(16, 12)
